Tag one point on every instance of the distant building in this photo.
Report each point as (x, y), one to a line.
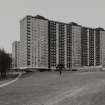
(16, 54)
(46, 43)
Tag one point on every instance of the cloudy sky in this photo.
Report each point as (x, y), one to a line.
(89, 13)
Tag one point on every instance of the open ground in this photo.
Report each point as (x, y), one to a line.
(49, 88)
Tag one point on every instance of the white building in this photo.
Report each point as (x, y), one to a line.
(34, 42)
(46, 43)
(76, 46)
(16, 54)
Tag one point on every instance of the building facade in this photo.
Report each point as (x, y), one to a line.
(46, 43)
(56, 43)
(34, 42)
(16, 54)
(76, 46)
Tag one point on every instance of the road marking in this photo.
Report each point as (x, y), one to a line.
(10, 82)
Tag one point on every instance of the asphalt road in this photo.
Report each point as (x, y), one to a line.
(48, 88)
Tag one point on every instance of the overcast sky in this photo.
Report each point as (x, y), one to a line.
(89, 13)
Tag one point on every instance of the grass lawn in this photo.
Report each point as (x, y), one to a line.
(48, 88)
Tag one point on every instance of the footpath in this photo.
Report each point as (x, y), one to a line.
(9, 81)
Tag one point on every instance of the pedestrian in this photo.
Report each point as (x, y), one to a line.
(60, 71)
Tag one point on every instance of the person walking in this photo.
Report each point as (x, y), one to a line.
(60, 71)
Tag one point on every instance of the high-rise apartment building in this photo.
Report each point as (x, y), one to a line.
(56, 33)
(102, 48)
(84, 46)
(92, 46)
(34, 42)
(52, 40)
(46, 43)
(16, 54)
(76, 46)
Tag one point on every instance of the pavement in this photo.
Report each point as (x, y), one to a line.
(49, 88)
(8, 82)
